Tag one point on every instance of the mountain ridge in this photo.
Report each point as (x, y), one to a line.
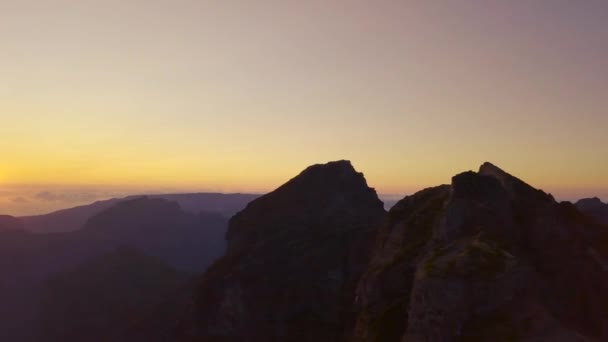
(71, 219)
(485, 253)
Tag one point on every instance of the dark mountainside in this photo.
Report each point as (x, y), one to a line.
(594, 208)
(293, 260)
(486, 258)
(159, 228)
(9, 223)
(156, 227)
(107, 297)
(72, 219)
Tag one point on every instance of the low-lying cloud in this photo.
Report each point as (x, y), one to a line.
(23, 200)
(68, 196)
(19, 200)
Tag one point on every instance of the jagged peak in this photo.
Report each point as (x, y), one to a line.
(331, 192)
(342, 163)
(470, 182)
(335, 167)
(327, 177)
(490, 169)
(317, 181)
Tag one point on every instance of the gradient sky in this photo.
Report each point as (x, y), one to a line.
(111, 97)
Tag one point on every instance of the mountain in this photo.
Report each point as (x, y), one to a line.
(485, 258)
(157, 227)
(107, 297)
(293, 260)
(9, 223)
(160, 228)
(65, 220)
(74, 218)
(594, 208)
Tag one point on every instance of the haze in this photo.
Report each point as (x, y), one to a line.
(117, 97)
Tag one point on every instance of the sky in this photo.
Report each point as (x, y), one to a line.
(105, 98)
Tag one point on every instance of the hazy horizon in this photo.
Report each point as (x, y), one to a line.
(25, 200)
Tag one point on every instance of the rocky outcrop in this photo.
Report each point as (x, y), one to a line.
(594, 208)
(487, 257)
(293, 260)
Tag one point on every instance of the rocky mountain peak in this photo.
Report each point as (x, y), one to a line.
(452, 261)
(517, 188)
(333, 194)
(293, 261)
(335, 176)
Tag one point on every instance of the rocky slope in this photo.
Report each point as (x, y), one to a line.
(487, 257)
(594, 208)
(293, 260)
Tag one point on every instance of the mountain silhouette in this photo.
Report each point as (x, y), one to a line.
(156, 227)
(104, 297)
(594, 208)
(487, 257)
(10, 223)
(293, 260)
(72, 219)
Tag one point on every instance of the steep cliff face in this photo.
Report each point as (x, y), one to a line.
(485, 258)
(294, 258)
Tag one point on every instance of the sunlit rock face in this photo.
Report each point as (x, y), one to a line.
(294, 258)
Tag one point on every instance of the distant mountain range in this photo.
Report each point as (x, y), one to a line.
(74, 218)
(155, 227)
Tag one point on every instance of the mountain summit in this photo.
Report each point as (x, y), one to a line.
(322, 194)
(294, 258)
(486, 255)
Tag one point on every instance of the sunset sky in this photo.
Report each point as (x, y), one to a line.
(107, 98)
